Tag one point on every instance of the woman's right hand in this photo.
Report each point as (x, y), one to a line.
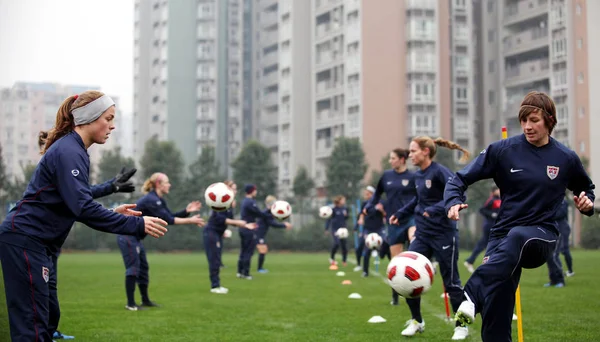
(251, 226)
(197, 220)
(393, 219)
(453, 212)
(154, 226)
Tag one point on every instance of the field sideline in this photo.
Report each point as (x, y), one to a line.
(299, 300)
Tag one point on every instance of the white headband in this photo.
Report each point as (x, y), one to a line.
(371, 189)
(92, 111)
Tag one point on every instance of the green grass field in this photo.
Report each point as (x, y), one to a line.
(299, 300)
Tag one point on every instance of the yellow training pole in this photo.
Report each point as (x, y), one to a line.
(518, 294)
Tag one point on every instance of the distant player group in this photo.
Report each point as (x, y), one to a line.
(532, 172)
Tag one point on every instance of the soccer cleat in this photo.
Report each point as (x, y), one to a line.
(219, 290)
(247, 277)
(365, 274)
(262, 270)
(460, 333)
(394, 302)
(357, 269)
(557, 285)
(570, 274)
(443, 295)
(469, 266)
(59, 336)
(413, 327)
(134, 308)
(239, 275)
(150, 304)
(465, 314)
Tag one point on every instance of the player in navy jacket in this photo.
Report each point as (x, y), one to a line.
(132, 248)
(399, 186)
(336, 221)
(436, 234)
(372, 222)
(120, 183)
(533, 172)
(261, 233)
(555, 270)
(562, 219)
(249, 212)
(489, 211)
(57, 195)
(212, 234)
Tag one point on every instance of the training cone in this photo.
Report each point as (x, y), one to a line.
(347, 282)
(340, 274)
(377, 319)
(355, 296)
(333, 267)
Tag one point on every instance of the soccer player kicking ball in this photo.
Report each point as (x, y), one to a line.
(533, 171)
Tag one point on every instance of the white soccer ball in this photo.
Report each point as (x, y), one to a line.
(227, 233)
(219, 196)
(342, 233)
(281, 210)
(410, 274)
(325, 212)
(373, 241)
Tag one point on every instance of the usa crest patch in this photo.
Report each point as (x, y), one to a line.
(45, 273)
(552, 171)
(404, 182)
(485, 259)
(428, 183)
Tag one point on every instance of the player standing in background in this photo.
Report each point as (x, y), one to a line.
(336, 221)
(132, 248)
(399, 186)
(261, 233)
(436, 234)
(489, 211)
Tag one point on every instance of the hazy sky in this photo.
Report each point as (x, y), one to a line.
(80, 42)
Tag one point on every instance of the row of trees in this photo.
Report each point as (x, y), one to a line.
(345, 175)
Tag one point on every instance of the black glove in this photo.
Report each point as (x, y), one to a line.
(122, 183)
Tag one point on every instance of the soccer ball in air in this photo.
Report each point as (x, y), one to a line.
(410, 274)
(227, 233)
(281, 210)
(373, 241)
(218, 196)
(325, 212)
(342, 233)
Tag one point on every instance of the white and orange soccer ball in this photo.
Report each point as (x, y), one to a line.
(373, 241)
(227, 233)
(325, 212)
(410, 274)
(281, 210)
(219, 196)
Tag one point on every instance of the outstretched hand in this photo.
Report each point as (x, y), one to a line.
(125, 209)
(193, 206)
(453, 212)
(122, 182)
(154, 226)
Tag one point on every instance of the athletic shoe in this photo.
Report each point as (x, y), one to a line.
(413, 327)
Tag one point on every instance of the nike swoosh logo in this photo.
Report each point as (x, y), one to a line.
(445, 247)
(517, 170)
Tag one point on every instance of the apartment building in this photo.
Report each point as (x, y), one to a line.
(188, 75)
(282, 67)
(386, 71)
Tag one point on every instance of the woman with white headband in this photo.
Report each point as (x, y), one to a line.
(57, 195)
